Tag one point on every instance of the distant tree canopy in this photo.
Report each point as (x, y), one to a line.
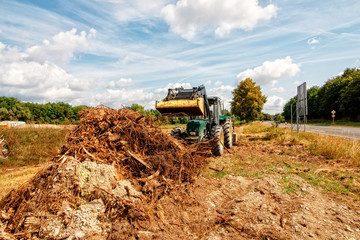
(341, 94)
(13, 109)
(248, 100)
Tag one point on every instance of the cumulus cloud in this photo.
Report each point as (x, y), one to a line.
(62, 46)
(271, 71)
(2, 46)
(186, 17)
(121, 83)
(277, 90)
(218, 83)
(222, 89)
(34, 73)
(172, 85)
(124, 97)
(274, 104)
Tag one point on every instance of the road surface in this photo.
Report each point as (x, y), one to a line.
(344, 132)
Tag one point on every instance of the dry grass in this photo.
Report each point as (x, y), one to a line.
(326, 162)
(14, 179)
(328, 146)
(255, 127)
(29, 146)
(337, 148)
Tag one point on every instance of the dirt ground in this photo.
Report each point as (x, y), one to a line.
(263, 203)
(259, 189)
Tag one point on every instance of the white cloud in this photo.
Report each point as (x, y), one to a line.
(274, 104)
(172, 85)
(121, 83)
(277, 90)
(218, 83)
(125, 60)
(270, 72)
(313, 41)
(2, 46)
(35, 75)
(135, 10)
(188, 16)
(62, 47)
(222, 89)
(296, 83)
(124, 97)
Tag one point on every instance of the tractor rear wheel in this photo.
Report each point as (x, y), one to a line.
(218, 145)
(228, 134)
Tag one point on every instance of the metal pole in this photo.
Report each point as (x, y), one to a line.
(291, 116)
(297, 119)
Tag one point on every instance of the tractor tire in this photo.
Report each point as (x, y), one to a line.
(217, 132)
(228, 134)
(177, 131)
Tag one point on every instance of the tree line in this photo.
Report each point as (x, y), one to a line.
(53, 113)
(62, 113)
(341, 93)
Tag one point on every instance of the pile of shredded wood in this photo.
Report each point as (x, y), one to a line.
(114, 164)
(129, 141)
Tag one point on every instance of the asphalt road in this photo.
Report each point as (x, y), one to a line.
(344, 132)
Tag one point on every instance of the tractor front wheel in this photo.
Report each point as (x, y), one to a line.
(177, 132)
(228, 134)
(218, 145)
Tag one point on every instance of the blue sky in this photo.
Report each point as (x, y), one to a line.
(119, 52)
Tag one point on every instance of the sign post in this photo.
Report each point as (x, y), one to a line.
(333, 115)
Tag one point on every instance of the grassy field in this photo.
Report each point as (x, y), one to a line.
(325, 162)
(31, 146)
(13, 179)
(339, 123)
(329, 163)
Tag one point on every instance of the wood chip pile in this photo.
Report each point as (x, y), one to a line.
(129, 140)
(115, 160)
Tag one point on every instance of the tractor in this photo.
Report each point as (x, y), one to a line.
(204, 114)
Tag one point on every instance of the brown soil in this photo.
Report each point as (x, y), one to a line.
(119, 177)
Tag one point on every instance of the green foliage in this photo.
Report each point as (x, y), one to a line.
(341, 94)
(226, 112)
(13, 109)
(248, 100)
(137, 108)
(266, 117)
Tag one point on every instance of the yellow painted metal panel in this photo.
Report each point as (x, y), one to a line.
(191, 107)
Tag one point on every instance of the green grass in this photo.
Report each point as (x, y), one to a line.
(290, 185)
(337, 123)
(30, 146)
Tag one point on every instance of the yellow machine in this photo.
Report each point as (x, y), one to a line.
(190, 107)
(205, 119)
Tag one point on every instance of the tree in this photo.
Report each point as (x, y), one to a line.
(137, 108)
(266, 117)
(248, 100)
(4, 113)
(350, 95)
(226, 112)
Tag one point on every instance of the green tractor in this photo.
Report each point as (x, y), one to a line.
(205, 119)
